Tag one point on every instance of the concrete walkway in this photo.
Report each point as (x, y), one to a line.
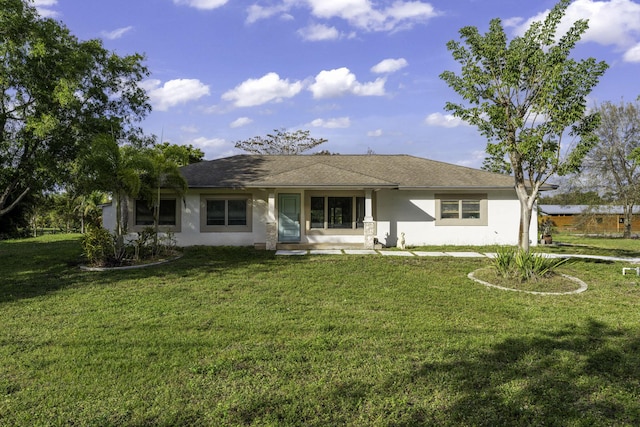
(380, 252)
(410, 253)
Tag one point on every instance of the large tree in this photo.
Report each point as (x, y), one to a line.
(612, 167)
(527, 96)
(57, 93)
(280, 141)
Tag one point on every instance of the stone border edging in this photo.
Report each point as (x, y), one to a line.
(582, 288)
(129, 267)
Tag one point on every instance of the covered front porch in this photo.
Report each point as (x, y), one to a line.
(308, 219)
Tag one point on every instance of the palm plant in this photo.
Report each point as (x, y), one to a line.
(160, 173)
(111, 168)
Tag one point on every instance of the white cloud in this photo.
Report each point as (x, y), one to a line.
(213, 148)
(389, 66)
(611, 23)
(341, 81)
(476, 159)
(442, 120)
(319, 32)
(241, 121)
(189, 129)
(375, 133)
(174, 92)
(633, 54)
(268, 88)
(44, 8)
(202, 4)
(363, 15)
(335, 123)
(116, 34)
(256, 12)
(208, 143)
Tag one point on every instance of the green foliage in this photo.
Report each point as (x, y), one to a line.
(56, 93)
(525, 96)
(181, 155)
(574, 197)
(98, 246)
(517, 264)
(280, 142)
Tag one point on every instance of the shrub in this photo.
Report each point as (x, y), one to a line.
(510, 262)
(98, 246)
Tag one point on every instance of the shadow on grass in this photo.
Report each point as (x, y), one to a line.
(580, 375)
(32, 267)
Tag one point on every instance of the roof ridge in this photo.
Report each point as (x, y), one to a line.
(364, 174)
(319, 161)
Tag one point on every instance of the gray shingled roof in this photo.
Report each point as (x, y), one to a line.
(584, 209)
(337, 171)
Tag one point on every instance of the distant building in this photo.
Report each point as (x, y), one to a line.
(603, 219)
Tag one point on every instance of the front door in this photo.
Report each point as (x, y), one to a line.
(289, 217)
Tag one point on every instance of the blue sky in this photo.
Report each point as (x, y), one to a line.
(361, 73)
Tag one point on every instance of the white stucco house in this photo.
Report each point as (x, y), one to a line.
(305, 201)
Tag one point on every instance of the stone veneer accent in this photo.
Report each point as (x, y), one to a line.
(272, 236)
(369, 234)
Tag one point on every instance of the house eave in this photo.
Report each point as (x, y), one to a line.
(455, 188)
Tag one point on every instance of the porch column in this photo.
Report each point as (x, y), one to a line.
(369, 223)
(272, 224)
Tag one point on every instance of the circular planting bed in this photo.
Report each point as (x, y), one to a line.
(560, 284)
(130, 266)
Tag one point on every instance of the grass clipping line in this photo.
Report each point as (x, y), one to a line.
(489, 274)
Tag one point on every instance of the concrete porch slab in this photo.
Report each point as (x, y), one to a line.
(292, 252)
(325, 252)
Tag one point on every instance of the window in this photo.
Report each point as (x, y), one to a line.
(168, 215)
(340, 212)
(336, 212)
(225, 213)
(461, 209)
(317, 212)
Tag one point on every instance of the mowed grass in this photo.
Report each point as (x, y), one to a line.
(233, 336)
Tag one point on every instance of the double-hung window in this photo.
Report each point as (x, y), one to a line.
(225, 213)
(461, 209)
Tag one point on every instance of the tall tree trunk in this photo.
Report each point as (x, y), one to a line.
(628, 219)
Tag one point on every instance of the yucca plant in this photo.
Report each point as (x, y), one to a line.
(511, 262)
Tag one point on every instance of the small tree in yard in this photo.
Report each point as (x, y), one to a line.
(526, 96)
(280, 142)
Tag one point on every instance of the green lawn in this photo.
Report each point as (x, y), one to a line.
(233, 336)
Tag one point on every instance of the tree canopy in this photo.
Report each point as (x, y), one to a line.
(181, 155)
(57, 94)
(613, 166)
(527, 96)
(280, 141)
